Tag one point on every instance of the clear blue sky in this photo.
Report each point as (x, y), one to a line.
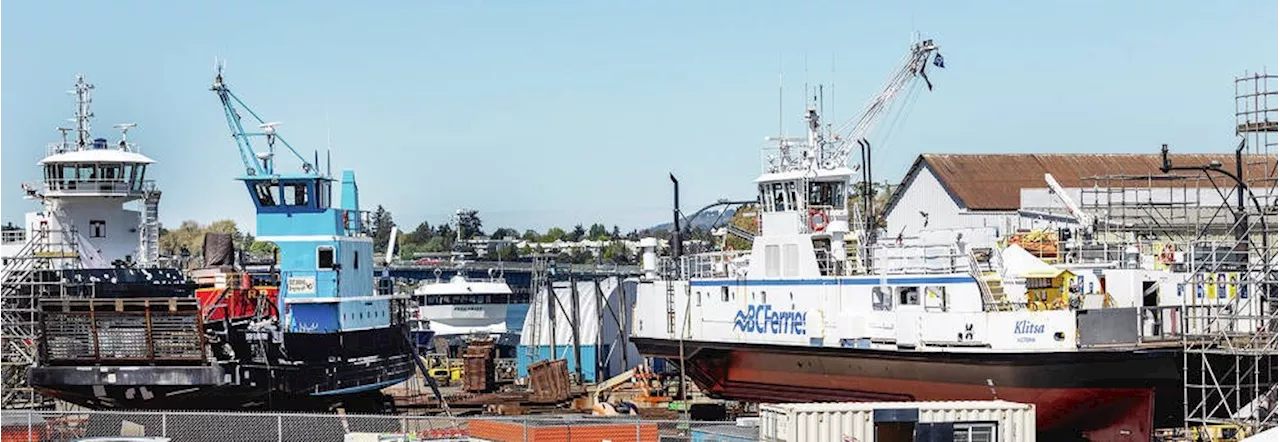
(551, 113)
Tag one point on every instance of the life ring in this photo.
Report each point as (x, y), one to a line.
(814, 216)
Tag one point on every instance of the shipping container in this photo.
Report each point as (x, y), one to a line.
(724, 433)
(996, 421)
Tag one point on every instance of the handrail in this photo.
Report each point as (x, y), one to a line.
(987, 296)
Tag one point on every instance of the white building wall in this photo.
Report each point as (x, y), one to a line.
(925, 193)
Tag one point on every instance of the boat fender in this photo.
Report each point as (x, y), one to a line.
(817, 220)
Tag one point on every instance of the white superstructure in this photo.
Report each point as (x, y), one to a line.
(462, 307)
(86, 186)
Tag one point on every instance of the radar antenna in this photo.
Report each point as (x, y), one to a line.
(124, 133)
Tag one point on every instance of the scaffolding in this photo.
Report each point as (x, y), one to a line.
(36, 272)
(1231, 342)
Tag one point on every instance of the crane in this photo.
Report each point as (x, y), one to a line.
(247, 154)
(847, 134)
(1086, 220)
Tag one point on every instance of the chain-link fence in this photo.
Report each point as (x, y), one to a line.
(179, 426)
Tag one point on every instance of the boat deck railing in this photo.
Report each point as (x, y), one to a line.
(918, 259)
(121, 331)
(96, 186)
(17, 236)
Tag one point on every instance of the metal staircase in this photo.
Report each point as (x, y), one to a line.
(149, 235)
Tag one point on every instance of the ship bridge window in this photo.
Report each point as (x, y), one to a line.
(295, 194)
(827, 194)
(880, 300)
(266, 194)
(324, 257)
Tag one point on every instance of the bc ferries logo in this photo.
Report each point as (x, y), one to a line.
(764, 320)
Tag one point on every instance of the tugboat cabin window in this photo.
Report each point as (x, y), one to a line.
(355, 263)
(827, 194)
(724, 293)
(295, 194)
(880, 300)
(909, 295)
(97, 228)
(324, 257)
(266, 194)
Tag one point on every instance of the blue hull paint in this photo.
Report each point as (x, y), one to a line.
(832, 281)
(362, 388)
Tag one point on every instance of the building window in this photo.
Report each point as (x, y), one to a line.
(724, 293)
(983, 432)
(324, 257)
(356, 263)
(97, 228)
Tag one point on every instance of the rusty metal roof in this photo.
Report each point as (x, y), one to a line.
(994, 181)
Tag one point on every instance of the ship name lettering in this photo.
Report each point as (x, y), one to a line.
(1027, 327)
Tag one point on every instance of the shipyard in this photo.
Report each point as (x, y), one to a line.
(612, 223)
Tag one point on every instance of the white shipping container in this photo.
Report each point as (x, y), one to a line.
(856, 421)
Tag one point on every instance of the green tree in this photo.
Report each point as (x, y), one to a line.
(553, 234)
(188, 236)
(526, 250)
(581, 256)
(263, 248)
(577, 234)
(507, 252)
(438, 244)
(617, 253)
(469, 223)
(598, 232)
(616, 233)
(530, 235)
(504, 232)
(421, 234)
(382, 224)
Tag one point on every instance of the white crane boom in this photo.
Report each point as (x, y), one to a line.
(1085, 219)
(391, 245)
(847, 134)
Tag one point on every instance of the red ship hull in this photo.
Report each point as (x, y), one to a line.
(1103, 396)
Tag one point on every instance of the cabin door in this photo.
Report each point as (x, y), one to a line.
(909, 310)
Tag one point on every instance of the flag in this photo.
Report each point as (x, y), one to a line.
(937, 61)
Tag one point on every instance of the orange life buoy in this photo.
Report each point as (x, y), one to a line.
(814, 216)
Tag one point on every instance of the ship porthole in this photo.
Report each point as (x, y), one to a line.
(1059, 336)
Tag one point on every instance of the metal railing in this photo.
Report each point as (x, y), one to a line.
(23, 425)
(918, 259)
(13, 236)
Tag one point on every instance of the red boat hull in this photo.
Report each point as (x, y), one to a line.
(1104, 396)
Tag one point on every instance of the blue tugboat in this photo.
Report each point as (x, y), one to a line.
(311, 331)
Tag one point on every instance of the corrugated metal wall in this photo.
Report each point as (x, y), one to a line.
(846, 421)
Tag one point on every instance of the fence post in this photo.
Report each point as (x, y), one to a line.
(279, 428)
(164, 424)
(30, 432)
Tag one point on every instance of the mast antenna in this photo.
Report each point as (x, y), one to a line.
(83, 114)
